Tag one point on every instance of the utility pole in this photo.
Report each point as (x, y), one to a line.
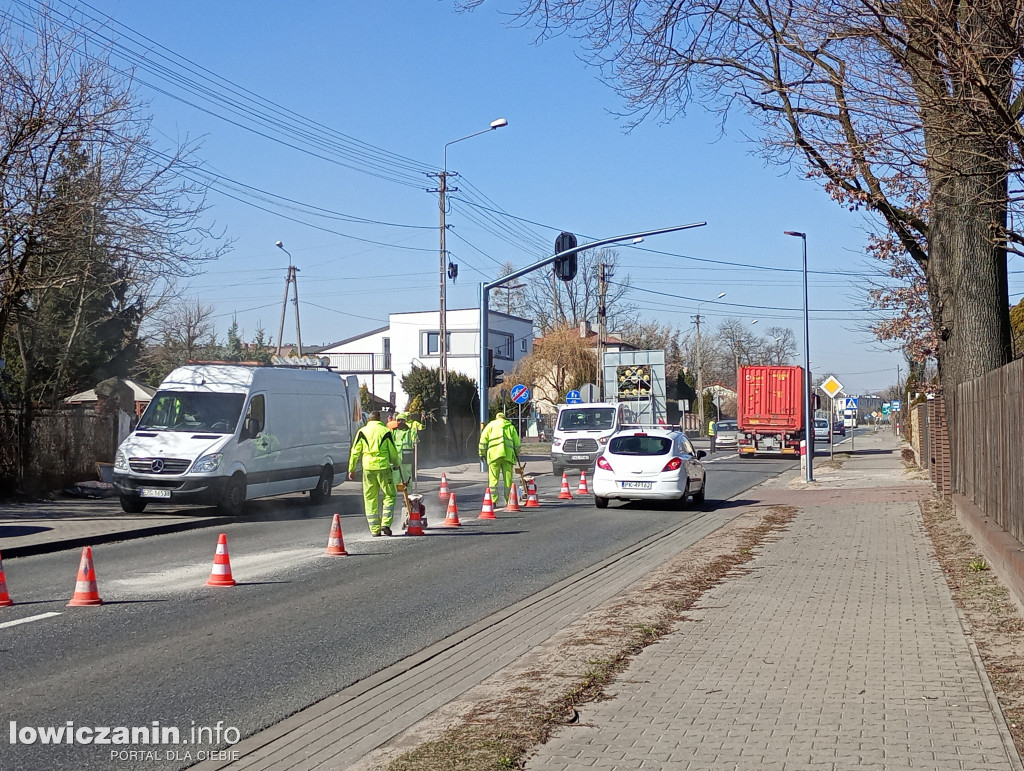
(290, 282)
(700, 381)
(602, 324)
(442, 340)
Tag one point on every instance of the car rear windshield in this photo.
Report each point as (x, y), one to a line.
(727, 426)
(640, 445)
(586, 419)
(821, 423)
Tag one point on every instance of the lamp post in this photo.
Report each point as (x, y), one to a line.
(293, 281)
(808, 433)
(442, 342)
(700, 367)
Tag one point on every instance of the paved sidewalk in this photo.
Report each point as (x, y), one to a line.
(840, 649)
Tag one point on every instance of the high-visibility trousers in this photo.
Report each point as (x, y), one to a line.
(377, 484)
(498, 470)
(404, 473)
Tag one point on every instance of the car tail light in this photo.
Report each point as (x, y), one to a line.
(673, 465)
(602, 463)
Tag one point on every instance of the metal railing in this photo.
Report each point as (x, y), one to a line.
(359, 363)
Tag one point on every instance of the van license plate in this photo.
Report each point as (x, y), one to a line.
(636, 485)
(154, 492)
(579, 457)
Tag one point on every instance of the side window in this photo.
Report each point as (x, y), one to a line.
(255, 415)
(686, 448)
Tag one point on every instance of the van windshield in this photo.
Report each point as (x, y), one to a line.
(586, 419)
(192, 412)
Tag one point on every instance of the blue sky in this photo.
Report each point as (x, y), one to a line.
(410, 75)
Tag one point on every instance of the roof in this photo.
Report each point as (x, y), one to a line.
(348, 340)
(143, 393)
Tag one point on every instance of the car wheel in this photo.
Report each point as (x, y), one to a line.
(323, 488)
(698, 498)
(558, 470)
(601, 503)
(132, 505)
(681, 501)
(233, 502)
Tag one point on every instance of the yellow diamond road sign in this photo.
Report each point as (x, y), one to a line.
(831, 387)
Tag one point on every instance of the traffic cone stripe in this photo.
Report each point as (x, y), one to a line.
(86, 592)
(415, 523)
(532, 501)
(220, 575)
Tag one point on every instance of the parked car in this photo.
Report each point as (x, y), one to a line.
(839, 427)
(649, 464)
(822, 429)
(726, 434)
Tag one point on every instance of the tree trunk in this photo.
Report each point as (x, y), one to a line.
(966, 271)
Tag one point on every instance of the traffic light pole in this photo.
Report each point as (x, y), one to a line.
(486, 287)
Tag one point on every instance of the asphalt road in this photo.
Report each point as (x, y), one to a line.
(299, 626)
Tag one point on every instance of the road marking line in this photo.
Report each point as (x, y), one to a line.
(27, 619)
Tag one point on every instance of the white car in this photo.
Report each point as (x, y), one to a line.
(649, 464)
(822, 430)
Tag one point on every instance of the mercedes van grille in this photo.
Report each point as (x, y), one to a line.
(159, 465)
(579, 445)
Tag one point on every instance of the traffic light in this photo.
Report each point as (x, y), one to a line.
(495, 377)
(565, 267)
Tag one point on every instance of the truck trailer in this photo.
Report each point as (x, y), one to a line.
(770, 404)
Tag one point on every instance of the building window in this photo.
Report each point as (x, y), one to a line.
(431, 342)
(387, 344)
(522, 345)
(502, 344)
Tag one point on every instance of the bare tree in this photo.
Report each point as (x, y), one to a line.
(560, 361)
(910, 110)
(181, 331)
(553, 303)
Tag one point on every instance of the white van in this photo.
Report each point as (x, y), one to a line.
(224, 433)
(582, 431)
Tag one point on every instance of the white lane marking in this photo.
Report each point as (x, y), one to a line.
(27, 619)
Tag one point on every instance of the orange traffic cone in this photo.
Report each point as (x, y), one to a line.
(5, 598)
(583, 489)
(487, 509)
(565, 495)
(513, 500)
(415, 523)
(221, 573)
(532, 501)
(451, 517)
(444, 493)
(86, 593)
(335, 542)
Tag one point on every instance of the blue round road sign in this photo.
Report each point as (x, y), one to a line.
(520, 394)
(573, 397)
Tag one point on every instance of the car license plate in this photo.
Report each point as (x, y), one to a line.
(636, 485)
(579, 457)
(154, 492)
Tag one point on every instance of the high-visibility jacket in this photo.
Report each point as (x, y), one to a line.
(712, 427)
(499, 439)
(375, 446)
(405, 438)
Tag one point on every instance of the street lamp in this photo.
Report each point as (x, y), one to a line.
(808, 433)
(442, 343)
(293, 281)
(700, 368)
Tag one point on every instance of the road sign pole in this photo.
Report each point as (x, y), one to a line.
(831, 431)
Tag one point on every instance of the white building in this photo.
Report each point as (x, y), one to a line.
(381, 357)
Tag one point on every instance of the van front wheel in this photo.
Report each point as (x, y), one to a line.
(132, 505)
(233, 502)
(323, 488)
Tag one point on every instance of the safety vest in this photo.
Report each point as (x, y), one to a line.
(712, 427)
(499, 439)
(375, 445)
(404, 440)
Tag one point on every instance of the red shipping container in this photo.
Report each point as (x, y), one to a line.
(770, 399)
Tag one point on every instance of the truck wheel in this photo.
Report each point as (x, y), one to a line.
(323, 488)
(233, 502)
(601, 503)
(132, 505)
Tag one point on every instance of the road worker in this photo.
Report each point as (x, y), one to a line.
(405, 438)
(499, 446)
(712, 431)
(375, 446)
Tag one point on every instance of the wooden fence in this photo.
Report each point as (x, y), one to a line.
(986, 438)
